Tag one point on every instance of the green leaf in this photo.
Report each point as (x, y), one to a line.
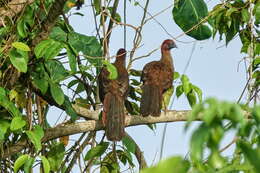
(20, 162)
(56, 70)
(179, 91)
(69, 109)
(35, 136)
(198, 139)
(58, 34)
(253, 155)
(19, 59)
(21, 46)
(198, 91)
(192, 98)
(97, 6)
(111, 69)
(185, 84)
(55, 156)
(46, 164)
(7, 104)
(40, 78)
(88, 45)
(256, 114)
(257, 13)
(72, 60)
(57, 93)
(129, 144)
(17, 123)
(167, 97)
(170, 165)
(176, 75)
(4, 126)
(188, 13)
(96, 151)
(245, 15)
(48, 49)
(21, 28)
(28, 165)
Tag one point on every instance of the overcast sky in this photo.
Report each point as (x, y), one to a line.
(213, 68)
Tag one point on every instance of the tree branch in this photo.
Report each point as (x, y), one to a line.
(95, 125)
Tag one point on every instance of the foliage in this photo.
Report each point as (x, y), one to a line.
(42, 59)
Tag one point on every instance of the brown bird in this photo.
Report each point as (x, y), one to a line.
(157, 77)
(113, 94)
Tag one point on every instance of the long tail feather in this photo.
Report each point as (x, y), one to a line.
(114, 117)
(151, 102)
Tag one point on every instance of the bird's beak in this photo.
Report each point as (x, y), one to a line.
(173, 45)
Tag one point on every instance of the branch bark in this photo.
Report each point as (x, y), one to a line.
(95, 125)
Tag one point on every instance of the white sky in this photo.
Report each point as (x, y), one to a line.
(212, 69)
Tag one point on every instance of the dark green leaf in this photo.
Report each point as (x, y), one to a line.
(179, 91)
(19, 59)
(35, 136)
(245, 15)
(46, 164)
(111, 69)
(20, 161)
(56, 70)
(58, 34)
(55, 156)
(129, 144)
(257, 13)
(21, 46)
(188, 13)
(57, 93)
(69, 109)
(21, 29)
(72, 60)
(96, 151)
(72, 83)
(97, 6)
(40, 78)
(17, 123)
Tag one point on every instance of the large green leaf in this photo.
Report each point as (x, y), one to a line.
(20, 161)
(188, 13)
(28, 165)
(21, 46)
(57, 93)
(88, 45)
(35, 136)
(48, 49)
(19, 59)
(46, 164)
(58, 34)
(72, 59)
(129, 144)
(96, 151)
(40, 78)
(56, 70)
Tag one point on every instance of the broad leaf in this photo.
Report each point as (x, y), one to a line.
(4, 125)
(17, 123)
(57, 93)
(19, 59)
(48, 49)
(58, 34)
(56, 70)
(55, 156)
(35, 136)
(96, 151)
(20, 162)
(28, 165)
(129, 144)
(188, 13)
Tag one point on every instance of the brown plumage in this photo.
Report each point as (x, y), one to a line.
(157, 77)
(113, 94)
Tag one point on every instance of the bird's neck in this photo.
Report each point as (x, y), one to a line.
(120, 62)
(167, 58)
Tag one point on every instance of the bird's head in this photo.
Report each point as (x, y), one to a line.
(121, 53)
(168, 45)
